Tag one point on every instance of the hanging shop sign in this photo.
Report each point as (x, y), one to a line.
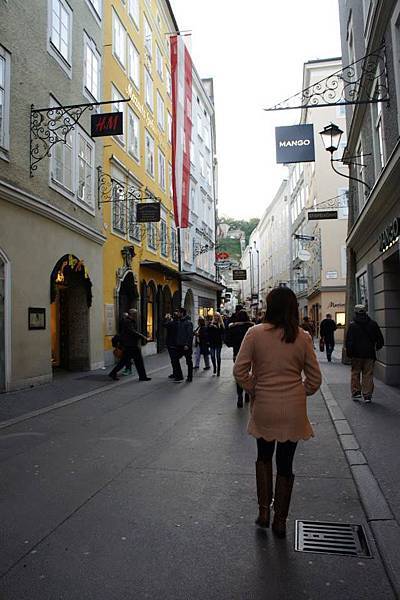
(321, 215)
(389, 235)
(104, 124)
(148, 213)
(222, 255)
(302, 280)
(304, 238)
(239, 274)
(295, 143)
(223, 264)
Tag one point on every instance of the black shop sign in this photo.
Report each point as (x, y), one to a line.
(295, 143)
(389, 235)
(239, 274)
(148, 213)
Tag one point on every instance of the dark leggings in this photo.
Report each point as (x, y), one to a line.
(284, 454)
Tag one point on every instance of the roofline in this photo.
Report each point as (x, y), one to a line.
(168, 3)
(322, 60)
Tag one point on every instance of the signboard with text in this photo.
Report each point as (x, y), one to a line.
(104, 124)
(294, 144)
(320, 215)
(148, 213)
(239, 274)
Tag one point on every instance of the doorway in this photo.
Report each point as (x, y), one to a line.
(71, 298)
(128, 296)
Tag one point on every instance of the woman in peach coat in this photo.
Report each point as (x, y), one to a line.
(270, 366)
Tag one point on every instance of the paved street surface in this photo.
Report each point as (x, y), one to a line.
(147, 490)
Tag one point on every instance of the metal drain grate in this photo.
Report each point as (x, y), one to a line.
(331, 538)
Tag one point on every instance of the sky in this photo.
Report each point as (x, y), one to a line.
(255, 52)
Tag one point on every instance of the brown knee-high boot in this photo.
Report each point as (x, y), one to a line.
(264, 491)
(283, 493)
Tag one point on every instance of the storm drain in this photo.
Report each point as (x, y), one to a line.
(331, 538)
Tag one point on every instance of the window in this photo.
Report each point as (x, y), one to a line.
(133, 10)
(187, 246)
(161, 169)
(4, 98)
(148, 39)
(174, 244)
(199, 125)
(61, 162)
(119, 39)
(96, 4)
(133, 64)
(164, 234)
(148, 90)
(149, 154)
(159, 62)
(92, 68)
(151, 236)
(360, 168)
(202, 167)
(85, 169)
(133, 135)
(193, 199)
(343, 210)
(340, 319)
(61, 28)
(362, 289)
(118, 107)
(150, 309)
(377, 129)
(168, 82)
(169, 126)
(118, 206)
(160, 112)
(208, 170)
(133, 227)
(171, 192)
(207, 140)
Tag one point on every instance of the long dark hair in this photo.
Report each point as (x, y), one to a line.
(283, 311)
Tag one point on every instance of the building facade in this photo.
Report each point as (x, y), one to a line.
(374, 135)
(198, 241)
(318, 267)
(51, 231)
(141, 260)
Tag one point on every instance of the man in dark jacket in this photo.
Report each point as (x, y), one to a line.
(184, 342)
(327, 332)
(233, 338)
(363, 338)
(130, 340)
(171, 325)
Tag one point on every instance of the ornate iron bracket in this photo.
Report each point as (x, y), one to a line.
(112, 190)
(353, 84)
(49, 126)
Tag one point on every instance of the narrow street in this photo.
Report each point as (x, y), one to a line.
(148, 491)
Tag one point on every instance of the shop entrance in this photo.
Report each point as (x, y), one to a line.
(128, 296)
(71, 298)
(2, 327)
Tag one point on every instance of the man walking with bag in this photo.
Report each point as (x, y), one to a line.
(327, 333)
(363, 338)
(130, 340)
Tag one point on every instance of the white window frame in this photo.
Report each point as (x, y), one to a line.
(162, 170)
(148, 156)
(168, 82)
(148, 38)
(170, 187)
(377, 134)
(163, 234)
(96, 11)
(133, 63)
(160, 112)
(118, 107)
(118, 25)
(5, 130)
(136, 120)
(159, 63)
(134, 228)
(119, 207)
(134, 12)
(87, 205)
(64, 62)
(89, 44)
(169, 126)
(148, 90)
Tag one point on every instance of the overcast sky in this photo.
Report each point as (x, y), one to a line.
(255, 52)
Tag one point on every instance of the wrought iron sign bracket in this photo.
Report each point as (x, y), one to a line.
(112, 190)
(50, 126)
(364, 81)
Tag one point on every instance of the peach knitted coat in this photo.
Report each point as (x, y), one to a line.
(271, 370)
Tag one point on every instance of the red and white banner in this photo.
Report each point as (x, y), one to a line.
(181, 73)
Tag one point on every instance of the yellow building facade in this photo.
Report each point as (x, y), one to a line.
(141, 261)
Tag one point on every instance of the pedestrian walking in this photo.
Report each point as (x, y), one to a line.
(171, 325)
(327, 330)
(269, 366)
(233, 317)
(130, 340)
(308, 326)
(202, 345)
(233, 338)
(216, 332)
(363, 338)
(183, 348)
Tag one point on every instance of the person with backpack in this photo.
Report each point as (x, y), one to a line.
(233, 338)
(363, 338)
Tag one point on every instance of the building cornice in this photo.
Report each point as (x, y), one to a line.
(37, 205)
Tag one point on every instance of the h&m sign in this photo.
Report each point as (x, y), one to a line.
(389, 235)
(107, 124)
(295, 143)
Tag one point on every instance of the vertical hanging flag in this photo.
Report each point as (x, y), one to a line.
(181, 74)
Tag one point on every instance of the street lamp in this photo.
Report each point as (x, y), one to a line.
(331, 136)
